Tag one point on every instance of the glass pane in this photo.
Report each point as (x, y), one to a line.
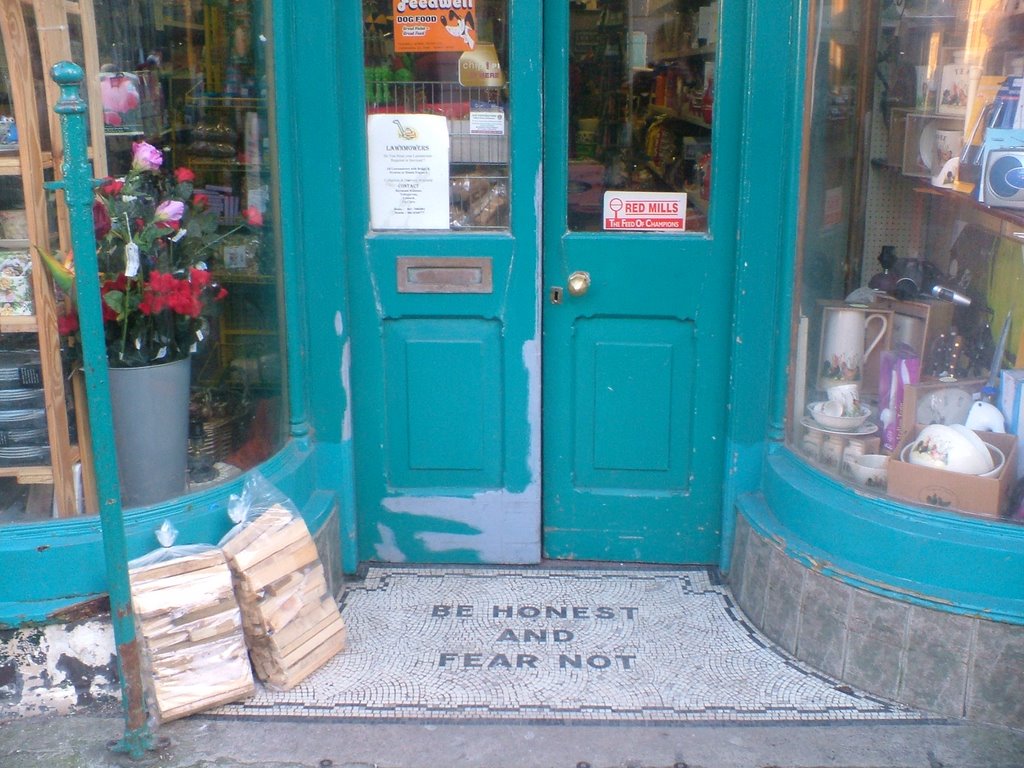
(910, 265)
(641, 99)
(189, 78)
(435, 80)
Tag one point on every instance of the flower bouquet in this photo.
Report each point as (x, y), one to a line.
(153, 232)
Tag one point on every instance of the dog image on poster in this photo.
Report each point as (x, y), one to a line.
(434, 25)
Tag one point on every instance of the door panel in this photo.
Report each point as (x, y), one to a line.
(635, 367)
(443, 434)
(633, 389)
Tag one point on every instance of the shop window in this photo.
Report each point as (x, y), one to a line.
(641, 98)
(908, 340)
(189, 79)
(438, 115)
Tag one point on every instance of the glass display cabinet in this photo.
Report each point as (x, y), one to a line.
(907, 330)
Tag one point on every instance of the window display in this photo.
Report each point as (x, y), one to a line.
(451, 64)
(909, 335)
(178, 90)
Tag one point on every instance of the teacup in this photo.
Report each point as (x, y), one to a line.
(848, 398)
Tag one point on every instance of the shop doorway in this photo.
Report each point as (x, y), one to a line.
(636, 315)
(510, 406)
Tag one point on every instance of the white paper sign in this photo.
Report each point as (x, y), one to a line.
(645, 211)
(408, 163)
(486, 119)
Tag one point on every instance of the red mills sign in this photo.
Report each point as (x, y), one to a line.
(645, 211)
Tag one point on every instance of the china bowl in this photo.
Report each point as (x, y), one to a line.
(820, 412)
(954, 448)
(871, 469)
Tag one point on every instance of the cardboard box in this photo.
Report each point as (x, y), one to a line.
(918, 323)
(897, 138)
(918, 141)
(953, 490)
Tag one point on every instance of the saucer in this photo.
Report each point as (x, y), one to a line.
(863, 429)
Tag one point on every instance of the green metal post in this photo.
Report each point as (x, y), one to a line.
(78, 186)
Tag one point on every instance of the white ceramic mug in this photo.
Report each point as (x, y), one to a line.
(848, 398)
(844, 346)
(947, 146)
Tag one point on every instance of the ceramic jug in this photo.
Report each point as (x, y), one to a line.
(844, 345)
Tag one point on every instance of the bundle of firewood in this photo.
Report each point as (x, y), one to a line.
(291, 621)
(190, 631)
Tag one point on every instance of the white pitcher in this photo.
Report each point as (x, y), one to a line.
(844, 345)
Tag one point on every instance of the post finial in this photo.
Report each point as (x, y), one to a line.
(66, 73)
(68, 76)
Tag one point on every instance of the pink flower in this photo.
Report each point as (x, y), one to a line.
(146, 157)
(119, 94)
(253, 216)
(169, 210)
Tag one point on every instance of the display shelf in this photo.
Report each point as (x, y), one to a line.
(10, 163)
(249, 278)
(674, 114)
(18, 324)
(30, 474)
(1005, 222)
(705, 51)
(220, 101)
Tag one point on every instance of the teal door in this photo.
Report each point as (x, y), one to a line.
(637, 311)
(445, 352)
(504, 408)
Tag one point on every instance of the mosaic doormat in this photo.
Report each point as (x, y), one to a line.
(558, 645)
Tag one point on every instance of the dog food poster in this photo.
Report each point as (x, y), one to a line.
(408, 164)
(434, 25)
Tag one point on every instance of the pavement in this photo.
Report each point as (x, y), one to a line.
(81, 741)
(702, 690)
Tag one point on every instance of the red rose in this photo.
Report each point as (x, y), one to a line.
(200, 201)
(111, 187)
(184, 174)
(67, 324)
(199, 278)
(100, 219)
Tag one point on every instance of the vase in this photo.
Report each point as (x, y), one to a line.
(150, 410)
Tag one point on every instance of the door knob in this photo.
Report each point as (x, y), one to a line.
(579, 283)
